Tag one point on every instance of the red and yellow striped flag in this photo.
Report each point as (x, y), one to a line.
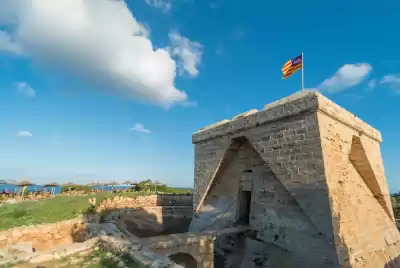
(292, 66)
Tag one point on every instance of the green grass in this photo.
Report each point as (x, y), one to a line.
(109, 263)
(97, 259)
(58, 208)
(51, 210)
(172, 190)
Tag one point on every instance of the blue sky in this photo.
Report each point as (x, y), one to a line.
(90, 102)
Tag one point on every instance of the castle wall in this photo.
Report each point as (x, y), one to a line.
(366, 235)
(316, 177)
(281, 158)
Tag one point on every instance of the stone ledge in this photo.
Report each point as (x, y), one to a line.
(176, 240)
(293, 105)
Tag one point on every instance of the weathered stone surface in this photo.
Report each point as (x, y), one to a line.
(47, 236)
(185, 247)
(124, 202)
(316, 181)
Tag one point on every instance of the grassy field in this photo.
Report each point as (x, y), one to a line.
(98, 259)
(55, 209)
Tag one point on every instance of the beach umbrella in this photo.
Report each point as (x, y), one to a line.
(69, 184)
(24, 183)
(53, 184)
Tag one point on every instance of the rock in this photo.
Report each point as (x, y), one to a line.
(57, 236)
(24, 257)
(109, 254)
(86, 253)
(4, 252)
(115, 258)
(10, 201)
(102, 232)
(75, 248)
(96, 259)
(4, 262)
(120, 264)
(75, 261)
(42, 258)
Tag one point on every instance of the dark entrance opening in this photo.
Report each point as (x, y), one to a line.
(244, 207)
(184, 260)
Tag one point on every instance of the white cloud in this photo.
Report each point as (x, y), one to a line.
(393, 81)
(24, 134)
(140, 128)
(347, 76)
(187, 52)
(372, 84)
(26, 90)
(8, 45)
(164, 5)
(99, 41)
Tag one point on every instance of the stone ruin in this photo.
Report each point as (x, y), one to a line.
(139, 226)
(307, 178)
(298, 184)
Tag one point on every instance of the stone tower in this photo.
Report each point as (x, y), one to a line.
(307, 176)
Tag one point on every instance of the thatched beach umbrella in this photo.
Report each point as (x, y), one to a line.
(68, 184)
(51, 184)
(24, 183)
(94, 184)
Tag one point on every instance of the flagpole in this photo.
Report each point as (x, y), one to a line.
(302, 71)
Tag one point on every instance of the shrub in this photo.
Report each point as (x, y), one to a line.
(84, 188)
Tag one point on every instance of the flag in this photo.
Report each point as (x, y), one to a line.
(292, 66)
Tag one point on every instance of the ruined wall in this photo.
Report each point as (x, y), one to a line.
(47, 236)
(152, 221)
(146, 216)
(122, 202)
(295, 203)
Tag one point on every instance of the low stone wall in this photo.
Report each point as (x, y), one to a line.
(122, 202)
(152, 221)
(46, 236)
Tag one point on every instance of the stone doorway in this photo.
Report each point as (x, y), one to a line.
(244, 207)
